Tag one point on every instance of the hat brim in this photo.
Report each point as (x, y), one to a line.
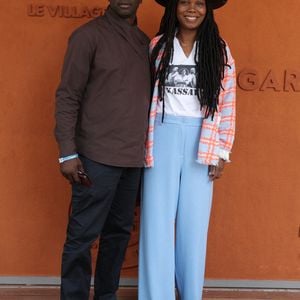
(213, 3)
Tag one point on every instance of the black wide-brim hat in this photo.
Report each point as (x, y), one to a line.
(213, 3)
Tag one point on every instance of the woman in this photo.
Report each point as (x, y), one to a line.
(190, 136)
(182, 79)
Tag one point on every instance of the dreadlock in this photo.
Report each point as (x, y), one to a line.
(210, 57)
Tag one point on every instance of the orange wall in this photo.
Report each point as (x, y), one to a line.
(255, 220)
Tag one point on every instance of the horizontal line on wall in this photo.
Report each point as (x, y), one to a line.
(211, 283)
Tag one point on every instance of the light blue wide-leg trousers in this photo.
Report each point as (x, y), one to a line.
(175, 211)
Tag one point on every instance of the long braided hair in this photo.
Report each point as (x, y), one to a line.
(210, 57)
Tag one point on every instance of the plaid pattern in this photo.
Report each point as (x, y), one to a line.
(217, 135)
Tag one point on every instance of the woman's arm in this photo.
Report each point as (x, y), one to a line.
(227, 109)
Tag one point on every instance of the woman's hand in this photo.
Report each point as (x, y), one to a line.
(215, 172)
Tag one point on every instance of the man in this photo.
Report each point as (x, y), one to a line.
(173, 74)
(101, 120)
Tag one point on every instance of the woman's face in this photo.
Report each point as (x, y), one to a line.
(191, 13)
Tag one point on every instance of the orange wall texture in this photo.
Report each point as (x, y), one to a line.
(254, 231)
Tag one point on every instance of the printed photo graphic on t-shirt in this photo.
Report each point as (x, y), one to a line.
(181, 76)
(181, 80)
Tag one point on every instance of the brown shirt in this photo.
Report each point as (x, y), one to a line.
(103, 99)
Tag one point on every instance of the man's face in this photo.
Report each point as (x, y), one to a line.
(125, 9)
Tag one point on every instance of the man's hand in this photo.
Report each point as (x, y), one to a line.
(70, 168)
(215, 172)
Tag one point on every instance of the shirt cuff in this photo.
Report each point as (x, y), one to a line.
(224, 155)
(66, 148)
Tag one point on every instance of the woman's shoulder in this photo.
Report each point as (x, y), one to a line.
(154, 41)
(228, 52)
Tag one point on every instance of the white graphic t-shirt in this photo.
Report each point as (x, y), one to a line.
(180, 93)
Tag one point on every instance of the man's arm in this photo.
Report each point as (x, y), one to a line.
(75, 74)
